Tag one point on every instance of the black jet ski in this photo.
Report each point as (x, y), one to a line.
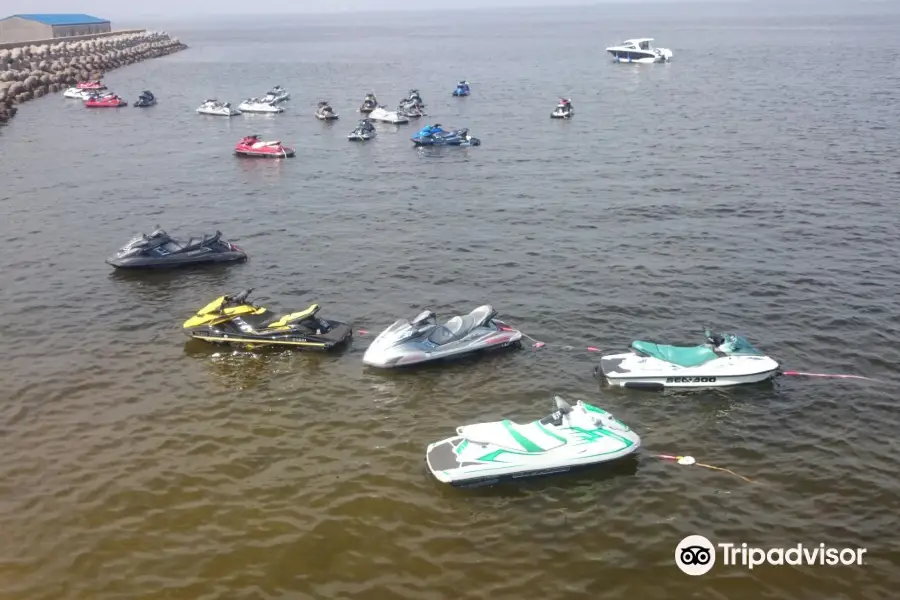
(145, 99)
(233, 320)
(159, 250)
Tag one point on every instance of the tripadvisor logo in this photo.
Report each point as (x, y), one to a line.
(696, 555)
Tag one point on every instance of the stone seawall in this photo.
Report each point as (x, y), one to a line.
(34, 70)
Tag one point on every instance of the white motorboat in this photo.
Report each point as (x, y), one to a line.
(563, 110)
(725, 360)
(639, 50)
(218, 109)
(255, 105)
(363, 132)
(324, 112)
(277, 94)
(83, 94)
(383, 115)
(570, 438)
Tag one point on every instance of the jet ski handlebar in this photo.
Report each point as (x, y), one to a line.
(239, 298)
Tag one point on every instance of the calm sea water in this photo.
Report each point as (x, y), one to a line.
(751, 185)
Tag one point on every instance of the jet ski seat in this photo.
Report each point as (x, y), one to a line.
(683, 356)
(458, 326)
(285, 321)
(528, 438)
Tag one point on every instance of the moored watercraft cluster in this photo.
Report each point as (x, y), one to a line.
(34, 70)
(573, 436)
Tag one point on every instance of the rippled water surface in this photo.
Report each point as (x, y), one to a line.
(750, 185)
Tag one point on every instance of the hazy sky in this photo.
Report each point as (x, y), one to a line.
(114, 9)
(172, 9)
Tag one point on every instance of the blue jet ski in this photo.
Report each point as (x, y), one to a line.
(434, 135)
(462, 89)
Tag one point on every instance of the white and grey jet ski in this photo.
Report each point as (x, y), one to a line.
(218, 109)
(725, 360)
(255, 105)
(277, 94)
(424, 340)
(572, 437)
(384, 115)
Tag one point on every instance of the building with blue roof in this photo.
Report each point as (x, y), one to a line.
(25, 28)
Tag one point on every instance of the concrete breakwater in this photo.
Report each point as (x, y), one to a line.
(33, 70)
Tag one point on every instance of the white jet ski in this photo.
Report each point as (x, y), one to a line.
(82, 94)
(255, 105)
(412, 111)
(386, 116)
(563, 110)
(218, 109)
(424, 340)
(572, 437)
(725, 360)
(277, 94)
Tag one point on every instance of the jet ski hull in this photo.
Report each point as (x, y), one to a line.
(339, 336)
(630, 370)
(285, 153)
(505, 451)
(479, 340)
(171, 262)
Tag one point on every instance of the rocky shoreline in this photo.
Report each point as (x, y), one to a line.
(32, 71)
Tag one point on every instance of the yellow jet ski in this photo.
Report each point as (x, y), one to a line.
(233, 320)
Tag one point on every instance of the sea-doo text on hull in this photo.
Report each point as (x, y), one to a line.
(572, 437)
(234, 320)
(254, 147)
(217, 109)
(725, 360)
(424, 340)
(639, 50)
(161, 251)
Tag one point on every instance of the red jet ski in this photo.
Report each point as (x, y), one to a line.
(107, 101)
(251, 145)
(90, 85)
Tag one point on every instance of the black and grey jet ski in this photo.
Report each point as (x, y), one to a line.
(235, 321)
(369, 103)
(145, 99)
(424, 340)
(159, 250)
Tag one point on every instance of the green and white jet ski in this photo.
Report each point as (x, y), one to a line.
(570, 438)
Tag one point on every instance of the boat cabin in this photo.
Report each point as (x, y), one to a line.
(638, 44)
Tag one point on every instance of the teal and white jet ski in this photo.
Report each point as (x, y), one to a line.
(724, 360)
(570, 438)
